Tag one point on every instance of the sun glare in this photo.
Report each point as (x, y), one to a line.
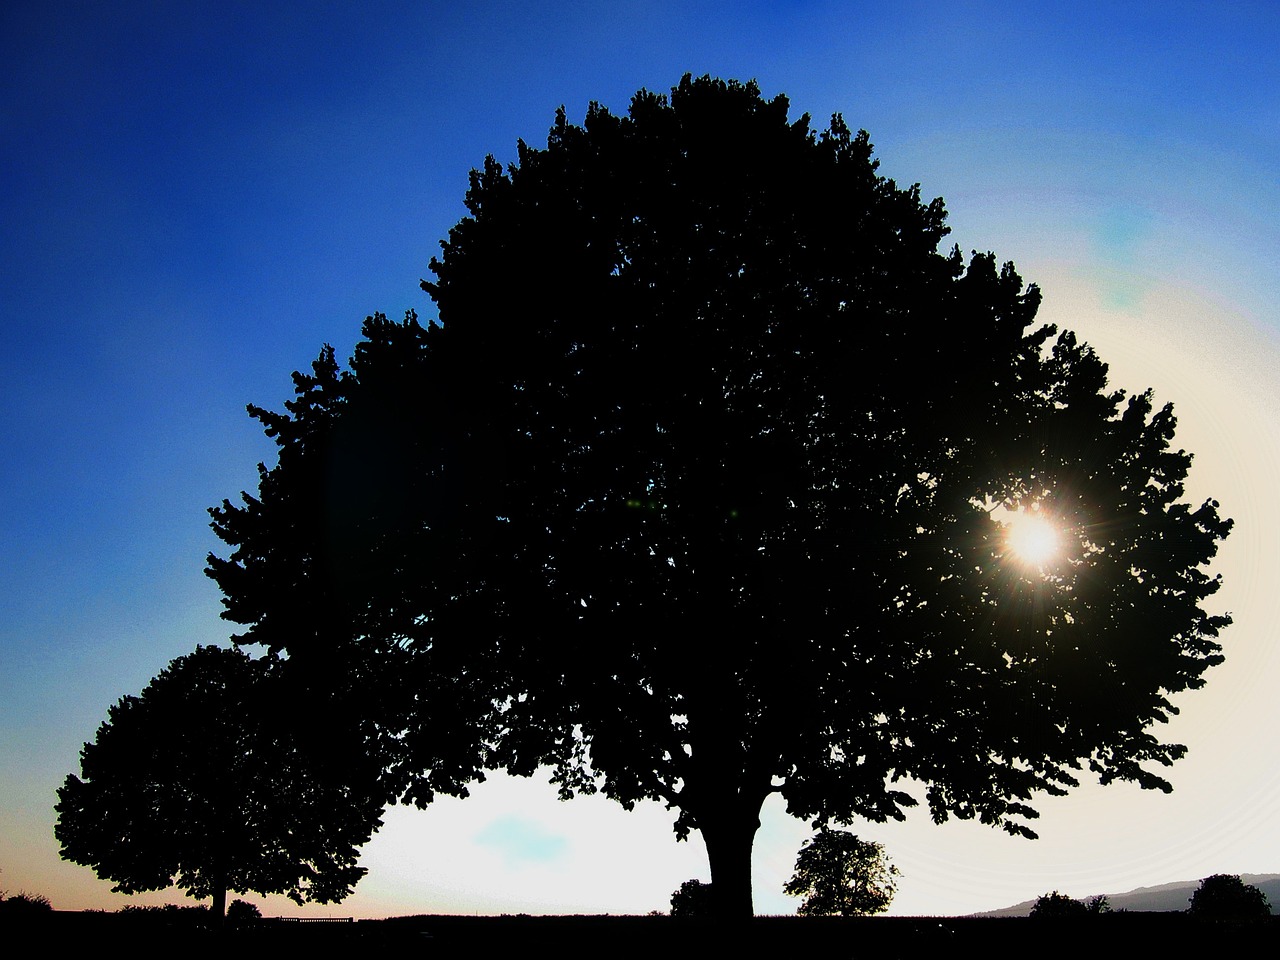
(1031, 538)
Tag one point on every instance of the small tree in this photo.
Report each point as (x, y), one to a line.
(1058, 906)
(1227, 897)
(839, 874)
(207, 781)
(692, 899)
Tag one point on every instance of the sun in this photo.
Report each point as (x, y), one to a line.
(1031, 538)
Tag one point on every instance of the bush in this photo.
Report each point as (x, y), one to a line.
(693, 899)
(242, 913)
(24, 906)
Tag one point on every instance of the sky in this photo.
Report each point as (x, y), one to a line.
(195, 197)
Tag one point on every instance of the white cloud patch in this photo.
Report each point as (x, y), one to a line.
(522, 841)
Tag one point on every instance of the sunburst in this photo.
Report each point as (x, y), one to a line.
(1031, 537)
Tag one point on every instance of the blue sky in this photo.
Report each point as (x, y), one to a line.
(197, 196)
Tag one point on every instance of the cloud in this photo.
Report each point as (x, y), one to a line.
(522, 841)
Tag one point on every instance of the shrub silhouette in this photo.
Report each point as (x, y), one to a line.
(242, 913)
(692, 899)
(24, 906)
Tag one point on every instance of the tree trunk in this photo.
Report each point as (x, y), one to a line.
(725, 785)
(729, 833)
(218, 909)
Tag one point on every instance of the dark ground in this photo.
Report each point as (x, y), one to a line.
(1166, 935)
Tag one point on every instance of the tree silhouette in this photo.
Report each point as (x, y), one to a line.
(207, 781)
(700, 488)
(837, 873)
(1058, 906)
(1227, 897)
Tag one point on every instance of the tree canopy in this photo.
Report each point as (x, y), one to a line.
(702, 486)
(839, 874)
(209, 781)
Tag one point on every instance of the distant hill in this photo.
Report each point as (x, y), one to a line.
(1165, 897)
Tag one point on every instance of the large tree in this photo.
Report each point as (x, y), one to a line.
(224, 774)
(703, 486)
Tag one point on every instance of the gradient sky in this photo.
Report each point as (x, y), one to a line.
(194, 197)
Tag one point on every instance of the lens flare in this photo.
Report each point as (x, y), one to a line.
(1031, 538)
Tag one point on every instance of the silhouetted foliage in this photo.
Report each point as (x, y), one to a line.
(837, 873)
(169, 916)
(23, 906)
(1227, 897)
(1058, 906)
(209, 781)
(697, 491)
(242, 913)
(692, 899)
(1098, 905)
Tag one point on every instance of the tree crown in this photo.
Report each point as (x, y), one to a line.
(700, 487)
